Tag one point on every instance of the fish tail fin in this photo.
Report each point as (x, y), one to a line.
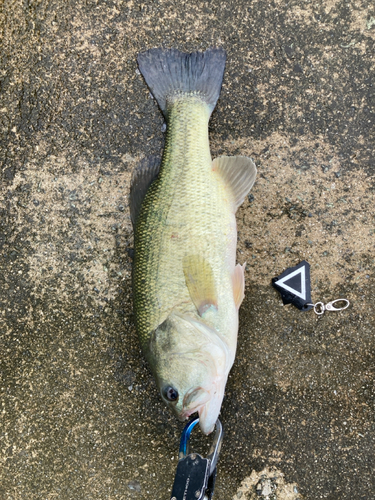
(169, 72)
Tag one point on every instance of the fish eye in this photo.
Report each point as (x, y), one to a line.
(170, 393)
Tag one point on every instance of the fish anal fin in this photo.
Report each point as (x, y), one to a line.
(238, 280)
(200, 282)
(143, 176)
(238, 174)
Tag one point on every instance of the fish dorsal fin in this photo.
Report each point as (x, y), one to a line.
(238, 280)
(238, 173)
(143, 176)
(200, 282)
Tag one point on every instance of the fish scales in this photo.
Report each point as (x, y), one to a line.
(185, 211)
(187, 289)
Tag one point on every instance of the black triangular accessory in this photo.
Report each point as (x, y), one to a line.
(294, 286)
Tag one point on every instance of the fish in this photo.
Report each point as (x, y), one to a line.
(187, 288)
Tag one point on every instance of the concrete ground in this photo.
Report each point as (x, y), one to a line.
(80, 415)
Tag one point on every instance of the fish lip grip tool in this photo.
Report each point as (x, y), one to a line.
(195, 475)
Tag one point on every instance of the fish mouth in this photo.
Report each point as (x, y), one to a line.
(185, 414)
(206, 423)
(194, 401)
(209, 412)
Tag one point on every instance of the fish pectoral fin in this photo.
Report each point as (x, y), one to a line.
(238, 280)
(238, 174)
(200, 282)
(143, 176)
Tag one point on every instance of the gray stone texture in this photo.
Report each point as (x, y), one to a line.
(80, 416)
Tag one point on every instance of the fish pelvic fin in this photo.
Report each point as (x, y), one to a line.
(170, 73)
(238, 280)
(200, 282)
(238, 174)
(143, 177)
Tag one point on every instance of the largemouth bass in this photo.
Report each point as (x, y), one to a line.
(186, 285)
